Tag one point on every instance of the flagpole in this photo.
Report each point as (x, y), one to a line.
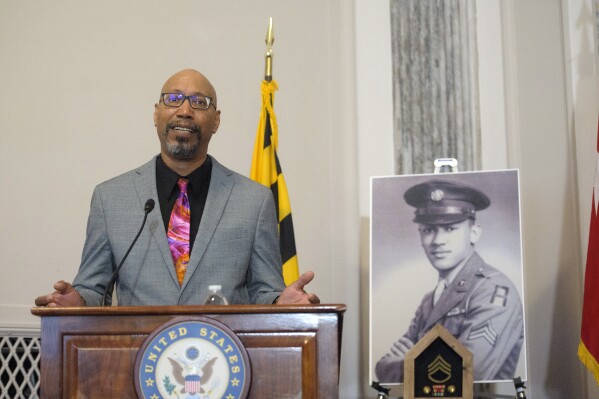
(266, 168)
(270, 38)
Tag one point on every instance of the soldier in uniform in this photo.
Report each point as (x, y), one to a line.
(474, 301)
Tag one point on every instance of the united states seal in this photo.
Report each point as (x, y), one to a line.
(192, 358)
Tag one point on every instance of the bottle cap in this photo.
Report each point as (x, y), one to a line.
(215, 287)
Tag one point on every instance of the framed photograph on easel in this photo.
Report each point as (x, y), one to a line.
(446, 249)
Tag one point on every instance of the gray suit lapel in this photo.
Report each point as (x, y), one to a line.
(145, 185)
(220, 189)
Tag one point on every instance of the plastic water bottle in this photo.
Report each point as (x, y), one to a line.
(216, 296)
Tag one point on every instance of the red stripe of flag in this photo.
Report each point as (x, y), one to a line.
(588, 349)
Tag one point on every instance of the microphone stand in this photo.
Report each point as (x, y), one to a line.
(383, 392)
(519, 385)
(147, 209)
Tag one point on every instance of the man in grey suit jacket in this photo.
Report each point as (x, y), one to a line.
(236, 238)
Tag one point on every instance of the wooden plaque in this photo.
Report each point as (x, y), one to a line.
(438, 366)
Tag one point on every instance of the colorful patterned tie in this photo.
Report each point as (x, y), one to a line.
(178, 231)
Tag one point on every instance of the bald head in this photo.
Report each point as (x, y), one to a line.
(190, 78)
(184, 131)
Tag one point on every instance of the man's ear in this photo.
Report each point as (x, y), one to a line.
(155, 111)
(475, 232)
(216, 121)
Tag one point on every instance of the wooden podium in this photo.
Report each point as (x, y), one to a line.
(294, 350)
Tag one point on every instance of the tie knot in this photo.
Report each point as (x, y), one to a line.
(182, 183)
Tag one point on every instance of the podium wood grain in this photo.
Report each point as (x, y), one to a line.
(90, 352)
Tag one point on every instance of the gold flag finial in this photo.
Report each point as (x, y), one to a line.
(270, 38)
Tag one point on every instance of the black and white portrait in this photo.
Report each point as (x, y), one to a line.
(446, 249)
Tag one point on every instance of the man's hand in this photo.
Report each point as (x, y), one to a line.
(401, 347)
(295, 294)
(64, 296)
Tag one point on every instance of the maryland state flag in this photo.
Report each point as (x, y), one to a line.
(588, 349)
(267, 170)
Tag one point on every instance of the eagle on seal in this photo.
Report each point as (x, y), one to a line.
(205, 373)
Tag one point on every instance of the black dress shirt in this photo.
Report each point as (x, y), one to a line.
(197, 191)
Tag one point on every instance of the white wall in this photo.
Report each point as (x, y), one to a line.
(545, 136)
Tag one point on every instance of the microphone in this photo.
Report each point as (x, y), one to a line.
(147, 209)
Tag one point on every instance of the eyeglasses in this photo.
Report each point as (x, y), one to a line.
(176, 100)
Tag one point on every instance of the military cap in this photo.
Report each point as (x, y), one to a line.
(445, 202)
